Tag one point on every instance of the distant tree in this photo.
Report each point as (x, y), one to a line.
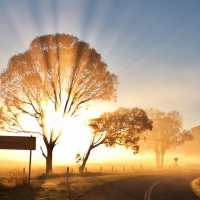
(122, 127)
(192, 148)
(50, 81)
(167, 133)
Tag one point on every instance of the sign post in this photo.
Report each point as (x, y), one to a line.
(19, 143)
(176, 165)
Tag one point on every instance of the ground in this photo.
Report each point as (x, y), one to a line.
(57, 186)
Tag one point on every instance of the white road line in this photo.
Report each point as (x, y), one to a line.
(148, 192)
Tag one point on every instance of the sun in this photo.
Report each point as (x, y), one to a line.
(75, 137)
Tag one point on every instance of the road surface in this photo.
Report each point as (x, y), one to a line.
(169, 186)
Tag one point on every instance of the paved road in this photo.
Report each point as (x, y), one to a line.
(146, 187)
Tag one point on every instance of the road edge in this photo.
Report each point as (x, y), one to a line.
(195, 186)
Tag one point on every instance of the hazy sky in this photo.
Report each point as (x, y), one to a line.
(153, 46)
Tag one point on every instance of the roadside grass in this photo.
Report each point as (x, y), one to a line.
(195, 186)
(53, 186)
(76, 186)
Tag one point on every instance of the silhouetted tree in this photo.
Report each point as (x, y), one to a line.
(167, 133)
(51, 80)
(123, 127)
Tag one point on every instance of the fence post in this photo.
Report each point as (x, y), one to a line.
(67, 174)
(23, 172)
(24, 176)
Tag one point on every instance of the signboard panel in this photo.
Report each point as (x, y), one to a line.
(17, 142)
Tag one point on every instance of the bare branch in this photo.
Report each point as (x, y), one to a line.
(43, 152)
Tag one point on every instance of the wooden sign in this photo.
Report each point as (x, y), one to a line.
(17, 143)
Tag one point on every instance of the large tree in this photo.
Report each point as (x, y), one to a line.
(167, 133)
(123, 127)
(50, 81)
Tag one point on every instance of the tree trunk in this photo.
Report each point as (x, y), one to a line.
(81, 168)
(158, 160)
(49, 158)
(162, 160)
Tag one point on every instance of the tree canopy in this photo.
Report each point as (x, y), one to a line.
(123, 126)
(51, 80)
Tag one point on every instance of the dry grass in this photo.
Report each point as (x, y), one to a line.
(14, 185)
(195, 186)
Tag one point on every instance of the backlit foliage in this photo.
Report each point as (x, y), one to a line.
(167, 133)
(51, 80)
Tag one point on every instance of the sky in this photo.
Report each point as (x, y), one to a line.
(152, 46)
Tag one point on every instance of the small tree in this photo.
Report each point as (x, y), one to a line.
(51, 81)
(167, 133)
(78, 159)
(123, 127)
